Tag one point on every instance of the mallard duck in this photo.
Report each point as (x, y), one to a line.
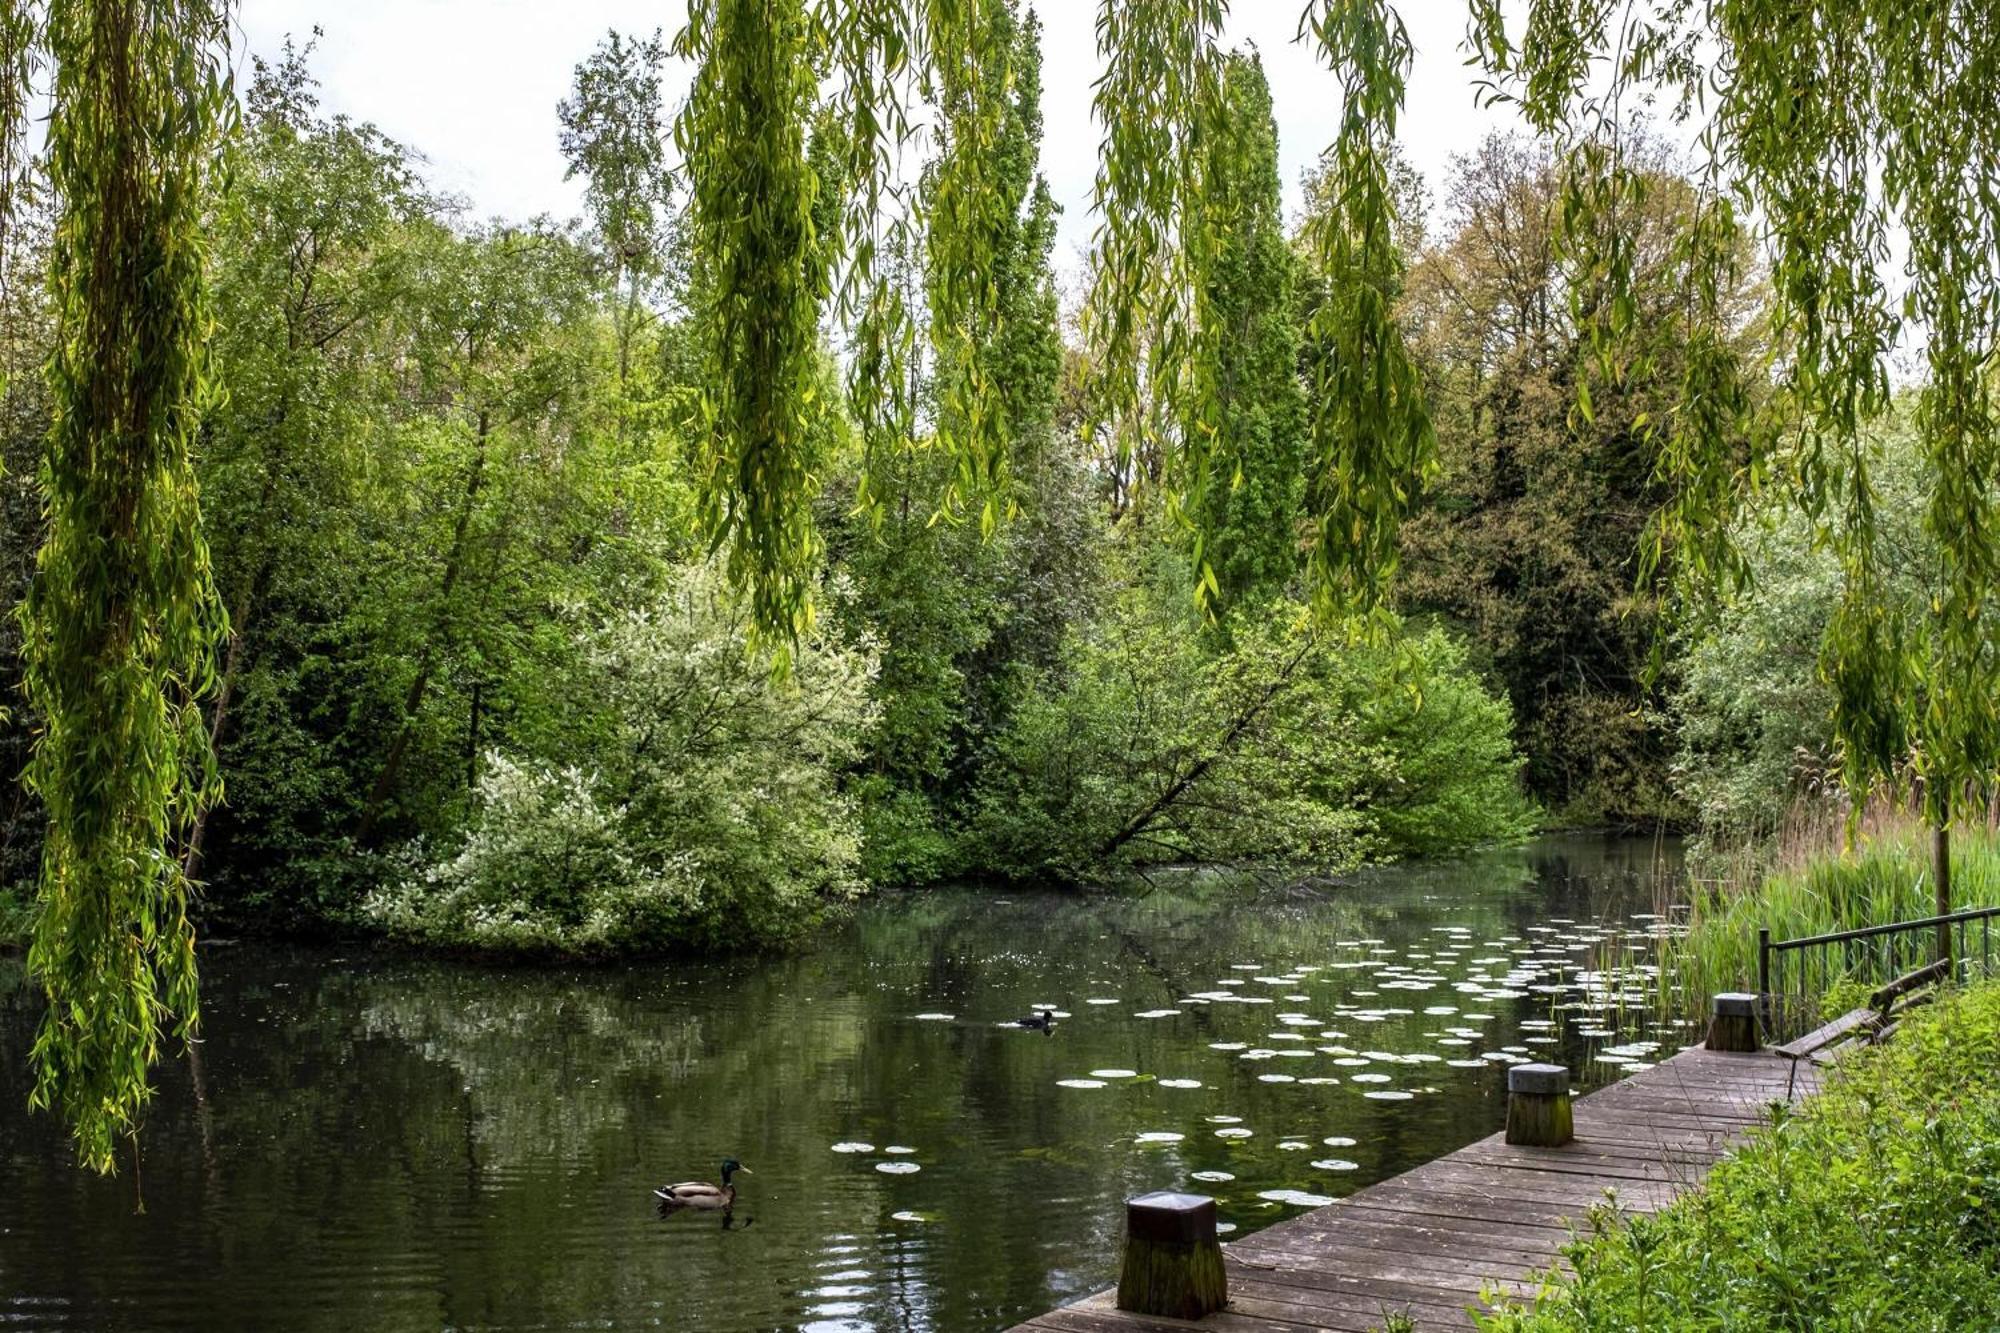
(1045, 1021)
(701, 1194)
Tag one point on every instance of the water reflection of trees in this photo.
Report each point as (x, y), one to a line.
(475, 1146)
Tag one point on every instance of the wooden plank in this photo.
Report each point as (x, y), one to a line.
(1364, 1226)
(1397, 1254)
(1332, 1306)
(1490, 1216)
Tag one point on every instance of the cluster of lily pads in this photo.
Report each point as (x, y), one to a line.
(896, 1163)
(1553, 982)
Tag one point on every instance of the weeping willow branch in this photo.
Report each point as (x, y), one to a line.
(969, 214)
(1146, 320)
(1372, 440)
(762, 275)
(876, 47)
(795, 200)
(122, 618)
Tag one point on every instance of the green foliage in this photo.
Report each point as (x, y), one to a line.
(20, 54)
(613, 135)
(122, 617)
(1162, 349)
(1835, 126)
(305, 281)
(711, 815)
(1288, 746)
(1145, 322)
(1876, 1206)
(27, 334)
(1752, 714)
(959, 609)
(762, 272)
(1372, 439)
(1529, 542)
(1447, 775)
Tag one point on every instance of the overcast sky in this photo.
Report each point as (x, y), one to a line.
(473, 86)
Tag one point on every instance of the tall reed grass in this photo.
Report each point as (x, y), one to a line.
(1816, 876)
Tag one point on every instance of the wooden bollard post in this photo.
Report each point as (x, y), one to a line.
(1173, 1262)
(1734, 1027)
(1538, 1114)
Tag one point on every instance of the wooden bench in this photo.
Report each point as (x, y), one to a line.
(1884, 1010)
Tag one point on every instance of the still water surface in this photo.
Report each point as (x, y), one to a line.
(369, 1141)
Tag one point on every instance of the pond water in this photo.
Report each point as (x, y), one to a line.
(370, 1141)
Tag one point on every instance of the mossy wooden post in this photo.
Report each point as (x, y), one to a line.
(1538, 1113)
(1734, 1027)
(1173, 1262)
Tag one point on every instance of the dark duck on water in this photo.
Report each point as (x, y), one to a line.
(1045, 1021)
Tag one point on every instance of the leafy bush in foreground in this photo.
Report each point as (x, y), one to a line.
(1876, 1208)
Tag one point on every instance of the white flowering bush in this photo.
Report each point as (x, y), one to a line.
(701, 804)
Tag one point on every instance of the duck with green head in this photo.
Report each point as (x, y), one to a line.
(701, 1194)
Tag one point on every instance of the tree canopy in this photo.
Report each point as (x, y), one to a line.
(825, 342)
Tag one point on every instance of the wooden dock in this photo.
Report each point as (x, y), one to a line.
(1426, 1243)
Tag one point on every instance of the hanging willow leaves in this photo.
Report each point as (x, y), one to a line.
(1160, 93)
(874, 45)
(1372, 443)
(762, 275)
(19, 55)
(1837, 124)
(122, 618)
(793, 200)
(968, 216)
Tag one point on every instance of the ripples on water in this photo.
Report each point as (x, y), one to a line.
(375, 1142)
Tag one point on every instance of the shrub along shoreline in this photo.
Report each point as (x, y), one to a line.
(1874, 1206)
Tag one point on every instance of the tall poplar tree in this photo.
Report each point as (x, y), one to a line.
(1251, 498)
(614, 136)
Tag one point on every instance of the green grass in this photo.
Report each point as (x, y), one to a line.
(1812, 883)
(1875, 1207)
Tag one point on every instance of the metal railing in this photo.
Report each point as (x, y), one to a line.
(1793, 974)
